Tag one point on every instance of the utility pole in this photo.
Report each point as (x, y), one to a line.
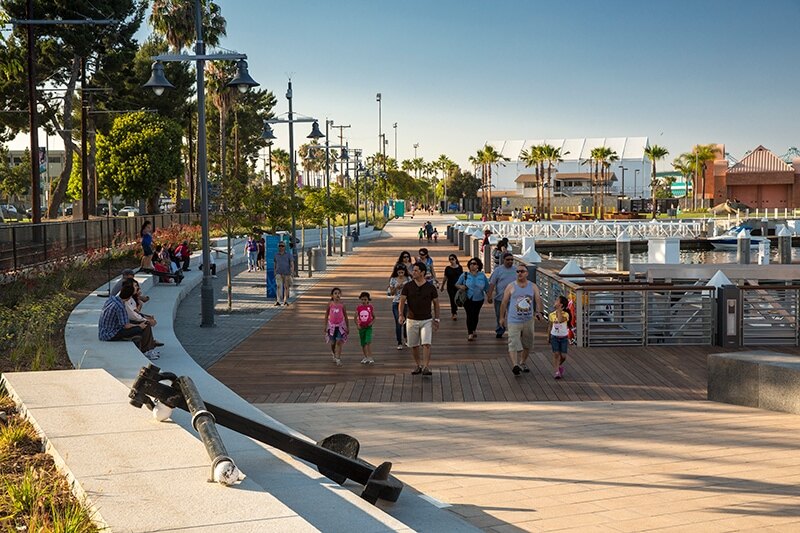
(395, 140)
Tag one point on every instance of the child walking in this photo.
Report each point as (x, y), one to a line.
(336, 325)
(559, 332)
(365, 316)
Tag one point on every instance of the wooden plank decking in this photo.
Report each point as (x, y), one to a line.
(287, 360)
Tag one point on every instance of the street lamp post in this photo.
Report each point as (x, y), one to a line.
(623, 169)
(395, 140)
(270, 135)
(635, 179)
(242, 81)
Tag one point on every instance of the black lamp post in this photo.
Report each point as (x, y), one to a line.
(242, 81)
(269, 135)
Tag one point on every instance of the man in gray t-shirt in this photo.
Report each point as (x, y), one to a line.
(501, 276)
(284, 266)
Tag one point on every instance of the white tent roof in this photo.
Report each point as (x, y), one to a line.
(627, 148)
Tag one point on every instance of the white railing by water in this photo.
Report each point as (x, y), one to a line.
(591, 230)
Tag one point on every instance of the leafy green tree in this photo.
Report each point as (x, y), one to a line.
(281, 163)
(139, 156)
(655, 153)
(464, 185)
(14, 180)
(59, 52)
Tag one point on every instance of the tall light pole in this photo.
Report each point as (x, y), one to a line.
(269, 135)
(395, 140)
(242, 81)
(635, 178)
(380, 129)
(623, 169)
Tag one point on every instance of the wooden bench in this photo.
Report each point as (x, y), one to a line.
(759, 378)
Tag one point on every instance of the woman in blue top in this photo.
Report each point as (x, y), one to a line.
(476, 285)
(147, 245)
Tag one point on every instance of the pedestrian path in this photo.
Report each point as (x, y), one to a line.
(287, 359)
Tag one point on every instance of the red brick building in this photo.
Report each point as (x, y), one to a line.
(760, 180)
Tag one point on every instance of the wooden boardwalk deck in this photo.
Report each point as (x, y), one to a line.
(288, 361)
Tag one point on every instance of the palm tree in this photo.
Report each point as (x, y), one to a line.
(444, 164)
(550, 155)
(532, 158)
(603, 156)
(488, 156)
(223, 98)
(683, 164)
(703, 153)
(655, 153)
(280, 163)
(174, 19)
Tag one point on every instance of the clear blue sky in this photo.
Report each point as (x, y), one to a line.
(456, 73)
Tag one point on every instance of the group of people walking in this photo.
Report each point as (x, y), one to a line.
(414, 289)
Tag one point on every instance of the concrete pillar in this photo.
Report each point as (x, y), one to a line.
(784, 246)
(664, 250)
(487, 259)
(763, 253)
(764, 227)
(623, 251)
(743, 247)
(475, 247)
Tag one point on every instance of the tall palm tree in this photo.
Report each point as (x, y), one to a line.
(655, 153)
(489, 157)
(223, 98)
(280, 163)
(603, 157)
(532, 158)
(550, 155)
(174, 19)
(683, 164)
(444, 164)
(595, 157)
(703, 154)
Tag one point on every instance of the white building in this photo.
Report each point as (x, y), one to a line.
(572, 177)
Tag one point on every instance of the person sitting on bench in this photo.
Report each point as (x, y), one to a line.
(115, 326)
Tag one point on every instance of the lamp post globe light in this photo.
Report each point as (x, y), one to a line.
(242, 81)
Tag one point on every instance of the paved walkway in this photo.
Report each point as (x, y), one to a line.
(586, 466)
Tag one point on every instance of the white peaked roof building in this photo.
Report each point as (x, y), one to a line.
(574, 170)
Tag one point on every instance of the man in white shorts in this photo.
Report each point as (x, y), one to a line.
(521, 303)
(420, 325)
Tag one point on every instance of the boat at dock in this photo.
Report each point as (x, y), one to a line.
(729, 240)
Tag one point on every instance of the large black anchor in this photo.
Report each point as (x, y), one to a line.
(336, 456)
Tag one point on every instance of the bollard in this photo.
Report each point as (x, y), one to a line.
(488, 262)
(785, 246)
(763, 253)
(764, 227)
(475, 248)
(309, 262)
(459, 242)
(743, 247)
(623, 251)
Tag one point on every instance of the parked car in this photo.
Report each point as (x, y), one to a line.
(102, 210)
(127, 210)
(9, 212)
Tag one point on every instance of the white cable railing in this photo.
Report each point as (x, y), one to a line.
(595, 230)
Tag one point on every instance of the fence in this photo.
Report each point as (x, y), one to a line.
(633, 315)
(638, 230)
(23, 245)
(769, 315)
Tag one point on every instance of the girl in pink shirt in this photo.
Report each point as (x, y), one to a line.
(336, 325)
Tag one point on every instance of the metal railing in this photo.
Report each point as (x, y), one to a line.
(769, 315)
(638, 230)
(635, 315)
(25, 245)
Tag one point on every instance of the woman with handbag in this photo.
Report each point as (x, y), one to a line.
(475, 282)
(400, 276)
(452, 272)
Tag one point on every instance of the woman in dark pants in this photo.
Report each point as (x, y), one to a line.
(476, 284)
(399, 278)
(452, 272)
